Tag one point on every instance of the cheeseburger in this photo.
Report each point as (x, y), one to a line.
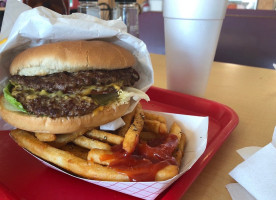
(66, 86)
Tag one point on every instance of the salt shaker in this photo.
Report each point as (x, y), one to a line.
(89, 7)
(128, 10)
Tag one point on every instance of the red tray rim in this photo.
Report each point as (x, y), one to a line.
(177, 189)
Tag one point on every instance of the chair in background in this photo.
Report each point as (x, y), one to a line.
(248, 37)
(151, 31)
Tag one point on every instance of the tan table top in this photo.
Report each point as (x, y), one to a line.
(251, 92)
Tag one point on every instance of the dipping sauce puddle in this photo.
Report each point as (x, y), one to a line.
(146, 160)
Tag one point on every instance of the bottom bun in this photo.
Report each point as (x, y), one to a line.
(63, 124)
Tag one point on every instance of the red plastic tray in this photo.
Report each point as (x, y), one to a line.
(24, 177)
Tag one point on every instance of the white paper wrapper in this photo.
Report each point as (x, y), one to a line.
(237, 192)
(114, 125)
(38, 26)
(257, 174)
(196, 130)
(246, 152)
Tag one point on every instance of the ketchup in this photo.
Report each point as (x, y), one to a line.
(59, 6)
(145, 161)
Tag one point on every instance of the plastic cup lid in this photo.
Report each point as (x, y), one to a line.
(194, 9)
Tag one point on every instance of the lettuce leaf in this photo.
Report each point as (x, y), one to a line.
(17, 105)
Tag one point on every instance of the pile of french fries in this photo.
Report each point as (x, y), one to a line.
(80, 152)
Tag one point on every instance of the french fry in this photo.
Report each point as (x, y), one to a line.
(151, 126)
(163, 128)
(155, 126)
(95, 155)
(176, 130)
(151, 116)
(65, 159)
(148, 136)
(128, 118)
(76, 150)
(105, 136)
(87, 153)
(132, 135)
(167, 173)
(63, 139)
(179, 151)
(178, 154)
(45, 137)
(90, 143)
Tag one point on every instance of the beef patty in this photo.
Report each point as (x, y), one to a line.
(70, 82)
(70, 94)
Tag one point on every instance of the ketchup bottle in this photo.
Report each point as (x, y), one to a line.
(59, 6)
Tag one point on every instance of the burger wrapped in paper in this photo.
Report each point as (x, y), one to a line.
(66, 86)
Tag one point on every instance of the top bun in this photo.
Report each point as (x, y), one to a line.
(71, 56)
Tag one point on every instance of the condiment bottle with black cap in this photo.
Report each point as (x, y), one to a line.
(128, 10)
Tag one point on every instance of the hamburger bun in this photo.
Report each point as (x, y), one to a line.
(61, 125)
(71, 56)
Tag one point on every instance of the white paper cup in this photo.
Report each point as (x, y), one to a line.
(192, 29)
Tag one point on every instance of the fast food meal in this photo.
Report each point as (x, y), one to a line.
(67, 86)
(107, 156)
(59, 95)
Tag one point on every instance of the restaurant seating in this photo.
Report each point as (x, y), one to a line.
(247, 36)
(151, 31)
